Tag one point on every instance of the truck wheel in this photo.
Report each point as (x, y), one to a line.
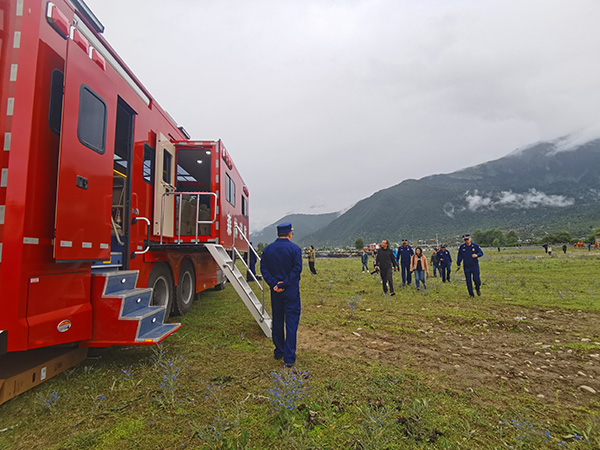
(161, 282)
(186, 289)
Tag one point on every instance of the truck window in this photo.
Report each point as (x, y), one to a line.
(229, 190)
(244, 206)
(91, 125)
(56, 100)
(148, 166)
(167, 167)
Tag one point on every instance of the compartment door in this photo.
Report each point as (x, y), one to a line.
(84, 195)
(164, 205)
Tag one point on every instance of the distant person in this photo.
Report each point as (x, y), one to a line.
(445, 262)
(418, 265)
(589, 247)
(564, 247)
(545, 247)
(434, 262)
(281, 265)
(364, 258)
(386, 263)
(550, 250)
(498, 249)
(251, 260)
(469, 254)
(312, 256)
(405, 252)
(375, 268)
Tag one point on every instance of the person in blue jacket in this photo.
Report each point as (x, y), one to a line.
(281, 265)
(403, 256)
(469, 254)
(445, 262)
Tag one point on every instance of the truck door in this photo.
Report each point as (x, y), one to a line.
(164, 205)
(84, 196)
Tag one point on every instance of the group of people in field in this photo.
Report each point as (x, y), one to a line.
(281, 266)
(414, 263)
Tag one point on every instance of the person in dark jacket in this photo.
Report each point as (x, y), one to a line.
(312, 256)
(434, 262)
(386, 264)
(445, 262)
(364, 259)
(281, 265)
(469, 254)
(403, 257)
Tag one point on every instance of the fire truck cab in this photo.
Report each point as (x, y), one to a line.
(106, 205)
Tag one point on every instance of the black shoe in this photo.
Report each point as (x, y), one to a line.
(478, 291)
(288, 366)
(471, 295)
(393, 293)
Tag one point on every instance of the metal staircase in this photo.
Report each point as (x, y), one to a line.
(241, 286)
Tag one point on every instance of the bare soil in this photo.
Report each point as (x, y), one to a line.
(524, 349)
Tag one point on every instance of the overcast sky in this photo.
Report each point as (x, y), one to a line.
(323, 102)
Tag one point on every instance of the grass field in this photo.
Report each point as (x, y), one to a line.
(517, 368)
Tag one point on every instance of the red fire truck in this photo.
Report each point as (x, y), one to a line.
(106, 206)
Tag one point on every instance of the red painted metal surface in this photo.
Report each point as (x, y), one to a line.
(47, 296)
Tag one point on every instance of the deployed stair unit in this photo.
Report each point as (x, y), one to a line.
(122, 313)
(243, 289)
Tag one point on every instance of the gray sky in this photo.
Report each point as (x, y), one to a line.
(323, 102)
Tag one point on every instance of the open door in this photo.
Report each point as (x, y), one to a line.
(165, 182)
(84, 196)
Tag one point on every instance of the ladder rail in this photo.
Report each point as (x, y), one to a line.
(239, 231)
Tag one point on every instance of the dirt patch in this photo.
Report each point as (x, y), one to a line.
(546, 354)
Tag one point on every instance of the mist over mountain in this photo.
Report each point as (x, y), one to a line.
(545, 187)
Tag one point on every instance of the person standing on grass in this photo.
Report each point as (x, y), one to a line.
(469, 253)
(564, 248)
(405, 252)
(281, 265)
(364, 259)
(418, 265)
(385, 262)
(434, 261)
(549, 250)
(311, 260)
(445, 262)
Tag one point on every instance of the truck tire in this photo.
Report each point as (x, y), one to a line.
(185, 290)
(161, 282)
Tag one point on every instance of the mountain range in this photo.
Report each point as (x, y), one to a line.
(543, 188)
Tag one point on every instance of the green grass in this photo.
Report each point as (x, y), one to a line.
(431, 369)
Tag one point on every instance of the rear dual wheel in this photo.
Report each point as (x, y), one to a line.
(186, 289)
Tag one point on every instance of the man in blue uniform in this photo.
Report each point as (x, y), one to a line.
(405, 252)
(445, 261)
(281, 265)
(469, 253)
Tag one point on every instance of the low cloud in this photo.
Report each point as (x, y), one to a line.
(531, 199)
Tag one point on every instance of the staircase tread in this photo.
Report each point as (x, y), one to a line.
(142, 313)
(159, 331)
(128, 292)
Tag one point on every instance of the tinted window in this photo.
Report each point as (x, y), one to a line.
(148, 167)
(167, 158)
(229, 190)
(91, 125)
(56, 98)
(244, 206)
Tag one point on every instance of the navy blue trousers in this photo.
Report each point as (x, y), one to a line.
(445, 270)
(406, 276)
(286, 316)
(472, 275)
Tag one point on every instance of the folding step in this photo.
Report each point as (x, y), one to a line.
(122, 312)
(242, 287)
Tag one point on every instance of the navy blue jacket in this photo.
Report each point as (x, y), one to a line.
(404, 254)
(444, 258)
(465, 253)
(281, 264)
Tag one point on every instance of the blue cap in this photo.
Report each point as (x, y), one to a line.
(466, 236)
(284, 228)
(443, 246)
